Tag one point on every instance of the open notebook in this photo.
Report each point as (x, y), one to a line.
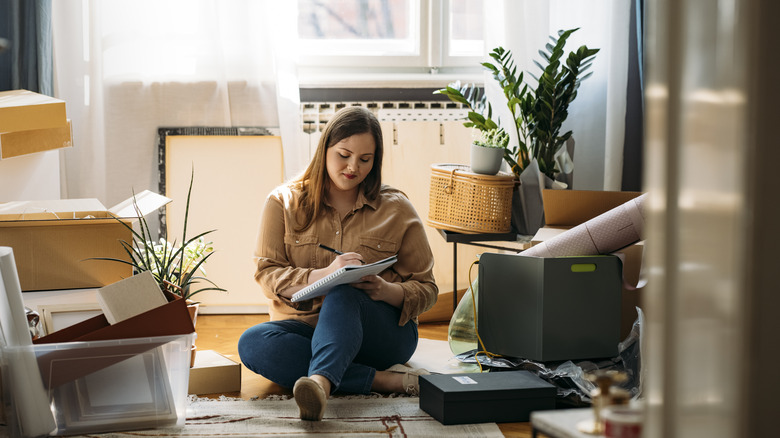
(345, 275)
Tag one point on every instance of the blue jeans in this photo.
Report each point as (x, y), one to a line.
(354, 337)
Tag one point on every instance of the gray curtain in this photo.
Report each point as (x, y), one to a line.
(635, 107)
(26, 62)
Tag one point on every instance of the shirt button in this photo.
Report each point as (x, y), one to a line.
(379, 246)
(297, 241)
(337, 232)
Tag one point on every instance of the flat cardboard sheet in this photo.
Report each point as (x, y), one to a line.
(130, 297)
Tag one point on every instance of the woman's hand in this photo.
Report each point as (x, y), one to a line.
(380, 290)
(346, 259)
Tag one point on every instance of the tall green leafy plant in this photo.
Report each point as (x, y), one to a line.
(175, 268)
(538, 112)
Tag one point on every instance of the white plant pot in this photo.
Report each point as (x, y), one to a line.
(486, 160)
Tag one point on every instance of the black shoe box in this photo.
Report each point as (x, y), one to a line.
(494, 397)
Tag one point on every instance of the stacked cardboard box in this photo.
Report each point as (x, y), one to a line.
(32, 122)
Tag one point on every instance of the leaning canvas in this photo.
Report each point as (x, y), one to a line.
(30, 398)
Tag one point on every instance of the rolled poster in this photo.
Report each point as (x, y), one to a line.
(605, 233)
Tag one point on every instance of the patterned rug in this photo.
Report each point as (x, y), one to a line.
(349, 416)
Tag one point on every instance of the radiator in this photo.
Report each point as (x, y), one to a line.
(316, 115)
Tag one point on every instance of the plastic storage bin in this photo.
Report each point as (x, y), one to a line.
(98, 386)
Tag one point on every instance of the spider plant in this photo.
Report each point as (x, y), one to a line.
(175, 268)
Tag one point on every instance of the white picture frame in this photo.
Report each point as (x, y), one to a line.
(134, 393)
(59, 316)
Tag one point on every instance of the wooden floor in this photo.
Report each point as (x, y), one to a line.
(221, 333)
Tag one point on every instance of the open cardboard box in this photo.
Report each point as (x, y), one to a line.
(55, 241)
(565, 209)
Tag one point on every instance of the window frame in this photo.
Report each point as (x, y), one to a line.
(430, 56)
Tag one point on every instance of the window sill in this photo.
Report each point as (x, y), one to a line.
(416, 79)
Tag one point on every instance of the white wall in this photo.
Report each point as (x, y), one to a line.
(30, 177)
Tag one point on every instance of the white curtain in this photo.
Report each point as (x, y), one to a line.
(597, 115)
(126, 68)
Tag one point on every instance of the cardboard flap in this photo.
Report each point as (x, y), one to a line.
(51, 209)
(147, 201)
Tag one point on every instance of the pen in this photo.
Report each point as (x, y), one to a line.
(331, 249)
(336, 251)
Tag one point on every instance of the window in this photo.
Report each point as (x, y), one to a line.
(390, 34)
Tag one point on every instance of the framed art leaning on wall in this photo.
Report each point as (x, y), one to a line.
(233, 171)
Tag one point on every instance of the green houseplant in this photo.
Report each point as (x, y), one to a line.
(487, 151)
(178, 269)
(538, 112)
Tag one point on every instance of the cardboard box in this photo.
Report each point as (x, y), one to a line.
(16, 143)
(54, 241)
(214, 373)
(501, 397)
(23, 110)
(549, 309)
(568, 208)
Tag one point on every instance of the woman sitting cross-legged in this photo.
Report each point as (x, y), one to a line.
(354, 338)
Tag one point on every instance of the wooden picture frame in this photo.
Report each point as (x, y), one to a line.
(234, 170)
(58, 316)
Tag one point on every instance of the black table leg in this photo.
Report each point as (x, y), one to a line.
(454, 276)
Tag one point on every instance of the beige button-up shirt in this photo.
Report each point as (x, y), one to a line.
(375, 229)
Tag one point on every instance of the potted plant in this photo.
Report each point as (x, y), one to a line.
(178, 269)
(538, 111)
(487, 151)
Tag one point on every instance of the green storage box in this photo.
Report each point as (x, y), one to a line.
(549, 309)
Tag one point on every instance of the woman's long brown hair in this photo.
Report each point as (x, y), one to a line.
(345, 123)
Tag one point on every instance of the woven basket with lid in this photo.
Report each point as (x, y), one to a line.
(468, 202)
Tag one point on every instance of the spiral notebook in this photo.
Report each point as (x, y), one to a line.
(345, 275)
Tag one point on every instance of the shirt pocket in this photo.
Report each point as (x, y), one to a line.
(374, 249)
(301, 250)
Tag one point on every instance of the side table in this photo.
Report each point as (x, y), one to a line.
(513, 242)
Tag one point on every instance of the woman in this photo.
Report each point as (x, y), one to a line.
(349, 339)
